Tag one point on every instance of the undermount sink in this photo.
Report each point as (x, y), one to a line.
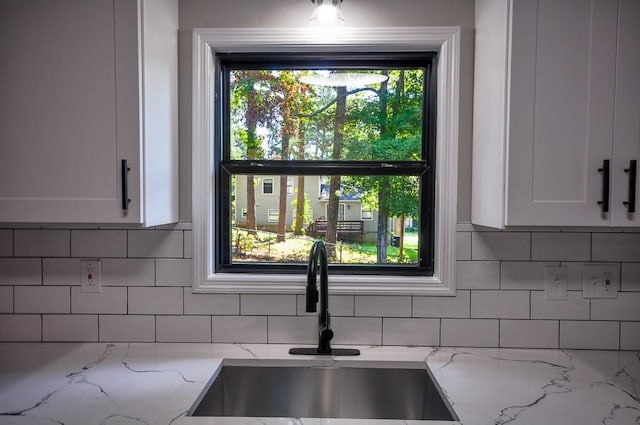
(323, 392)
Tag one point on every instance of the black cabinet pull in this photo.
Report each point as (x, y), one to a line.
(630, 203)
(124, 169)
(604, 204)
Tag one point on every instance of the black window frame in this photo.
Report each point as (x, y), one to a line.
(224, 167)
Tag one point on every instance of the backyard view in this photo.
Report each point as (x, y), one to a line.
(341, 133)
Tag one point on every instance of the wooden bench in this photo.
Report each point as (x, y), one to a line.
(348, 228)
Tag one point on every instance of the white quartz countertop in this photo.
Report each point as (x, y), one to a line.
(154, 384)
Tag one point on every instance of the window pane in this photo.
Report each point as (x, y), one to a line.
(265, 232)
(295, 114)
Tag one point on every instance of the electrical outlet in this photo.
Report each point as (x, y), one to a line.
(91, 276)
(600, 280)
(555, 282)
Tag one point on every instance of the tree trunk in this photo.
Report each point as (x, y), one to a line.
(401, 244)
(282, 204)
(334, 184)
(251, 118)
(383, 217)
(382, 239)
(299, 216)
(251, 206)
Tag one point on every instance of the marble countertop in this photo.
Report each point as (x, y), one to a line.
(127, 384)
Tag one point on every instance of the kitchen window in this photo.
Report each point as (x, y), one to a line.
(211, 193)
(365, 121)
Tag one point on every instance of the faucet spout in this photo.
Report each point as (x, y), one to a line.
(319, 264)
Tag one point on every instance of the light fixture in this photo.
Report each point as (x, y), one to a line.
(327, 14)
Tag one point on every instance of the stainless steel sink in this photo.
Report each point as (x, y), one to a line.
(324, 392)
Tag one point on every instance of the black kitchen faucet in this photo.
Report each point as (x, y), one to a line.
(317, 255)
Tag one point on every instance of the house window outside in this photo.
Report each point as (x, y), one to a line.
(359, 143)
(243, 213)
(290, 185)
(267, 186)
(272, 216)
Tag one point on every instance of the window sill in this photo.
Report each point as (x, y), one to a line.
(338, 284)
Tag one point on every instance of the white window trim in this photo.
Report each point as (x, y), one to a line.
(362, 214)
(207, 43)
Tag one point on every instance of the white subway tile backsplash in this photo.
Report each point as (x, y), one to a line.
(20, 327)
(130, 328)
(42, 299)
(293, 330)
(148, 272)
(41, 243)
(183, 328)
(529, 333)
(589, 335)
(61, 271)
(155, 243)
(70, 328)
(240, 329)
(174, 272)
(410, 331)
(500, 304)
(382, 306)
(616, 247)
(6, 242)
(211, 303)
(20, 271)
(573, 308)
(110, 300)
(463, 246)
(469, 333)
(144, 300)
(98, 243)
(523, 275)
(458, 306)
(6, 299)
(513, 246)
(128, 272)
(630, 278)
(340, 305)
(625, 307)
(477, 274)
(267, 305)
(357, 330)
(560, 246)
(630, 336)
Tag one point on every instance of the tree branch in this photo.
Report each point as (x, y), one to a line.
(328, 105)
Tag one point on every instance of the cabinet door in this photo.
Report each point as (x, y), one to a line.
(561, 98)
(59, 152)
(627, 113)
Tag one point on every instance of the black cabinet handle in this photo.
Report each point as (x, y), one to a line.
(124, 169)
(604, 204)
(631, 197)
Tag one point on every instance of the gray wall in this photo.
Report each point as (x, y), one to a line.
(358, 13)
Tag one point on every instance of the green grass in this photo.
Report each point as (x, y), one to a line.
(263, 247)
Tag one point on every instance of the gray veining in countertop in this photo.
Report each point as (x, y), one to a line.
(108, 384)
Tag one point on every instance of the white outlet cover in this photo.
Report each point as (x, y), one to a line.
(600, 280)
(90, 276)
(556, 280)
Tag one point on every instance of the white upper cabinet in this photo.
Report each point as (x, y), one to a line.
(552, 78)
(86, 84)
(626, 129)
